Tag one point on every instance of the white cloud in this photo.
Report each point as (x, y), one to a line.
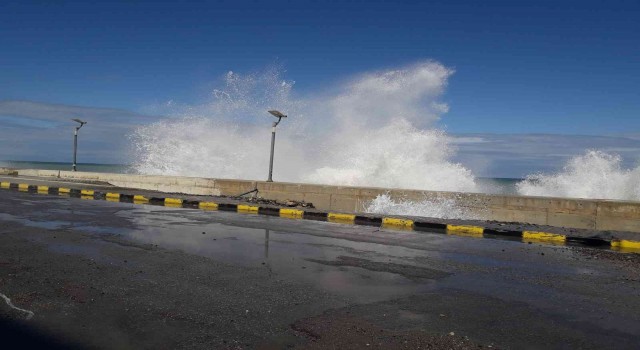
(43, 131)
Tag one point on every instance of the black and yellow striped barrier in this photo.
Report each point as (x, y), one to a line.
(383, 222)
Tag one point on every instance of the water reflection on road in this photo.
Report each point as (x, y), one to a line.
(282, 253)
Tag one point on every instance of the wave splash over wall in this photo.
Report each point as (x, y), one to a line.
(595, 175)
(374, 130)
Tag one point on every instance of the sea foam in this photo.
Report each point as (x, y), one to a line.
(595, 174)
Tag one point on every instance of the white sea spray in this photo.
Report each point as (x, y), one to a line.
(445, 208)
(376, 130)
(595, 175)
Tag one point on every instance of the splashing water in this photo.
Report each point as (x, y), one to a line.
(395, 156)
(594, 175)
(226, 138)
(373, 132)
(436, 208)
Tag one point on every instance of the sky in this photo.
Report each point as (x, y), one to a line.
(535, 81)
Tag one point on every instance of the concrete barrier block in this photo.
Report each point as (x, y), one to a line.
(173, 189)
(340, 190)
(80, 175)
(363, 202)
(618, 209)
(311, 188)
(281, 196)
(126, 184)
(473, 201)
(200, 181)
(62, 173)
(574, 220)
(403, 194)
(398, 194)
(27, 172)
(191, 190)
(514, 202)
(183, 181)
(295, 196)
(204, 191)
(301, 188)
(292, 187)
(263, 185)
(35, 172)
(273, 195)
(112, 177)
(347, 191)
(234, 187)
(271, 186)
(572, 206)
(138, 185)
(158, 179)
(526, 202)
(372, 191)
(538, 217)
(320, 201)
(343, 203)
(119, 184)
(496, 201)
(618, 224)
(131, 178)
(212, 192)
(148, 186)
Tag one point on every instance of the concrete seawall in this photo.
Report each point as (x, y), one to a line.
(562, 212)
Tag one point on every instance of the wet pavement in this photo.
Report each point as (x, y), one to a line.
(102, 274)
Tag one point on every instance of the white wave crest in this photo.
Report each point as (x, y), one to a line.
(595, 175)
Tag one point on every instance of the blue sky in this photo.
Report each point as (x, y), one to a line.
(521, 68)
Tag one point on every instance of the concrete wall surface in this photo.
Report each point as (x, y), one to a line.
(562, 212)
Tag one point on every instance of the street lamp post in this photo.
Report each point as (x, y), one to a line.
(75, 141)
(278, 115)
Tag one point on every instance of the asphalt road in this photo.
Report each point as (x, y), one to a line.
(96, 274)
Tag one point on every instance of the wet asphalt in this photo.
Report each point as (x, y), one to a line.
(97, 274)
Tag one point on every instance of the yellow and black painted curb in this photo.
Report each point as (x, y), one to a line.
(383, 222)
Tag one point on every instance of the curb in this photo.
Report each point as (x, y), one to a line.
(342, 218)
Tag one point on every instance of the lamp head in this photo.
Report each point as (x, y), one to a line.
(277, 114)
(79, 121)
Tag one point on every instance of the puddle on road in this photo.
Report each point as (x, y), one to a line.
(46, 224)
(290, 255)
